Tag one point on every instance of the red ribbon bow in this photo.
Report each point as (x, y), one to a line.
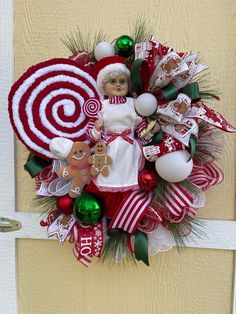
(123, 134)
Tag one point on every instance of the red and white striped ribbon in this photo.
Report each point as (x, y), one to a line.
(85, 260)
(123, 134)
(177, 199)
(150, 221)
(131, 211)
(206, 175)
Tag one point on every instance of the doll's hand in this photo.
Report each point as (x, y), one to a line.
(98, 125)
(156, 128)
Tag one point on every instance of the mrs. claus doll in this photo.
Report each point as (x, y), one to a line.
(118, 125)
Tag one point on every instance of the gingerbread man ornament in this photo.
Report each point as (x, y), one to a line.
(78, 170)
(100, 160)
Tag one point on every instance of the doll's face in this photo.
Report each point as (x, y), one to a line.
(117, 85)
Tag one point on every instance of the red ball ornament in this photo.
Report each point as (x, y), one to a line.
(147, 180)
(65, 204)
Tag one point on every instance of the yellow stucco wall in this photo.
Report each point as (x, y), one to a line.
(195, 281)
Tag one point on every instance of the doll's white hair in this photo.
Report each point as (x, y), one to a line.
(109, 71)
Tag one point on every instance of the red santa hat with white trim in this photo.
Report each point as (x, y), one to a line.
(108, 62)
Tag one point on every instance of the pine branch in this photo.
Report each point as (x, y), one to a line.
(116, 250)
(207, 92)
(189, 186)
(161, 190)
(210, 143)
(44, 204)
(83, 42)
(178, 230)
(141, 32)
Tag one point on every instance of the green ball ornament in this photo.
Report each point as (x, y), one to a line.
(87, 209)
(124, 46)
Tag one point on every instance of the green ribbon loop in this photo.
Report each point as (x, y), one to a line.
(141, 247)
(192, 90)
(156, 139)
(192, 146)
(139, 76)
(35, 164)
(169, 92)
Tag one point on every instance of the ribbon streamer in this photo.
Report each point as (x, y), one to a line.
(141, 247)
(61, 227)
(89, 242)
(201, 111)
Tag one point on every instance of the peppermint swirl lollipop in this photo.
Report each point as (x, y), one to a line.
(46, 102)
(91, 107)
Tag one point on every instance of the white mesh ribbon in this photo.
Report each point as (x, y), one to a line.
(160, 240)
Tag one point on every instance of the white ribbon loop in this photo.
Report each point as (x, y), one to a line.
(174, 111)
(172, 69)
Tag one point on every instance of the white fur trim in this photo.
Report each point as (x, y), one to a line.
(60, 147)
(115, 67)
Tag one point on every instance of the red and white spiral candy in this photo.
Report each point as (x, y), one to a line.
(91, 107)
(46, 102)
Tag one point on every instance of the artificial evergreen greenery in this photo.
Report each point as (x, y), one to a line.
(161, 190)
(182, 231)
(86, 42)
(116, 250)
(44, 204)
(141, 31)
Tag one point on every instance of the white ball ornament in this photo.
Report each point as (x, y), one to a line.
(146, 104)
(104, 49)
(174, 167)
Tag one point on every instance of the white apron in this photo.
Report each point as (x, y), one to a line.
(120, 120)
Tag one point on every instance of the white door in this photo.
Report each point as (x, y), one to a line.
(219, 234)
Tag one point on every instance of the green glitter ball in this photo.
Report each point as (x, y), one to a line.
(124, 46)
(87, 209)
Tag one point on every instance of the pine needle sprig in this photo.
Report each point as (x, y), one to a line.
(174, 228)
(189, 186)
(207, 91)
(116, 250)
(161, 190)
(44, 204)
(178, 230)
(141, 32)
(210, 143)
(83, 42)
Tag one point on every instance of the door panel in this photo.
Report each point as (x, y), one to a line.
(193, 281)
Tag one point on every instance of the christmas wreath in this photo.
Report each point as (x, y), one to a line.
(121, 144)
